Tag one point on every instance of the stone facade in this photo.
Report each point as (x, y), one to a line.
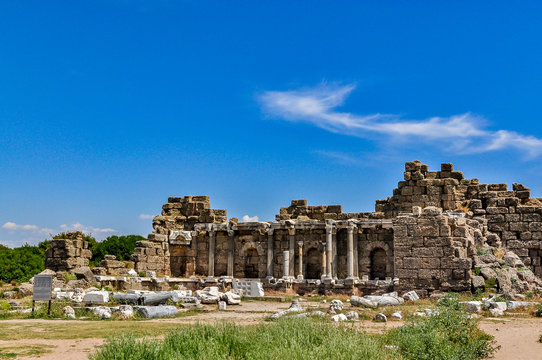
(68, 254)
(427, 234)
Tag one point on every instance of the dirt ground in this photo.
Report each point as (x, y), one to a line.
(518, 337)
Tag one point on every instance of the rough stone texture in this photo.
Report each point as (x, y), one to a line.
(68, 254)
(96, 297)
(425, 237)
(156, 311)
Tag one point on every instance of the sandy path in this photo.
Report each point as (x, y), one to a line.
(518, 338)
(76, 349)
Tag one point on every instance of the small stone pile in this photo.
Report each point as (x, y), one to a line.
(111, 266)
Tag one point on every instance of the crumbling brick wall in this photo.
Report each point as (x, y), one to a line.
(68, 254)
(434, 251)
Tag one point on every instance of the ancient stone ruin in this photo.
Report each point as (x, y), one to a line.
(437, 232)
(68, 254)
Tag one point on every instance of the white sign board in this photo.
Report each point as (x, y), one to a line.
(43, 285)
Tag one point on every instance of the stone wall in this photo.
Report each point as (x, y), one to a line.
(426, 234)
(514, 220)
(68, 254)
(434, 251)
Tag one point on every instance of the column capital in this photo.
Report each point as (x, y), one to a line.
(270, 231)
(231, 232)
(291, 231)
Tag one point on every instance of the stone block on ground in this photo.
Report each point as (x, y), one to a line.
(149, 312)
(380, 318)
(96, 297)
(68, 312)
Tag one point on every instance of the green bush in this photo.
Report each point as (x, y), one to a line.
(538, 311)
(491, 283)
(283, 339)
(120, 246)
(477, 271)
(20, 264)
(68, 277)
(449, 334)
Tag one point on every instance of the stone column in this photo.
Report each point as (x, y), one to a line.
(291, 232)
(231, 251)
(286, 265)
(212, 249)
(329, 249)
(356, 254)
(324, 260)
(270, 246)
(350, 251)
(300, 254)
(335, 261)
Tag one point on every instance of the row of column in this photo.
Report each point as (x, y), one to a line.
(329, 256)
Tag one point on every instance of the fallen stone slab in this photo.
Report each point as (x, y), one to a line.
(473, 306)
(126, 298)
(160, 298)
(96, 297)
(101, 311)
(512, 305)
(231, 298)
(150, 312)
(380, 318)
(411, 296)
(294, 307)
(359, 301)
(384, 300)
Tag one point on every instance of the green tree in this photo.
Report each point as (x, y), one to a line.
(120, 246)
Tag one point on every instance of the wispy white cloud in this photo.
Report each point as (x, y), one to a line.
(340, 157)
(13, 226)
(146, 217)
(86, 229)
(247, 218)
(465, 133)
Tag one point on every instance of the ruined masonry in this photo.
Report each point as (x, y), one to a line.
(436, 232)
(68, 254)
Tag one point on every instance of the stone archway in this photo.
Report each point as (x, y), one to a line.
(313, 267)
(251, 263)
(378, 263)
(178, 261)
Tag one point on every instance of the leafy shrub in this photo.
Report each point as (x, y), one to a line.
(68, 276)
(4, 305)
(529, 294)
(491, 283)
(480, 252)
(538, 311)
(142, 274)
(283, 339)
(449, 334)
(20, 264)
(120, 246)
(451, 300)
(477, 271)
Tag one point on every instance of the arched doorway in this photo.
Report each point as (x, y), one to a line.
(178, 261)
(313, 268)
(378, 263)
(251, 264)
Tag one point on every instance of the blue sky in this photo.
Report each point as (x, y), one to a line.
(109, 107)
